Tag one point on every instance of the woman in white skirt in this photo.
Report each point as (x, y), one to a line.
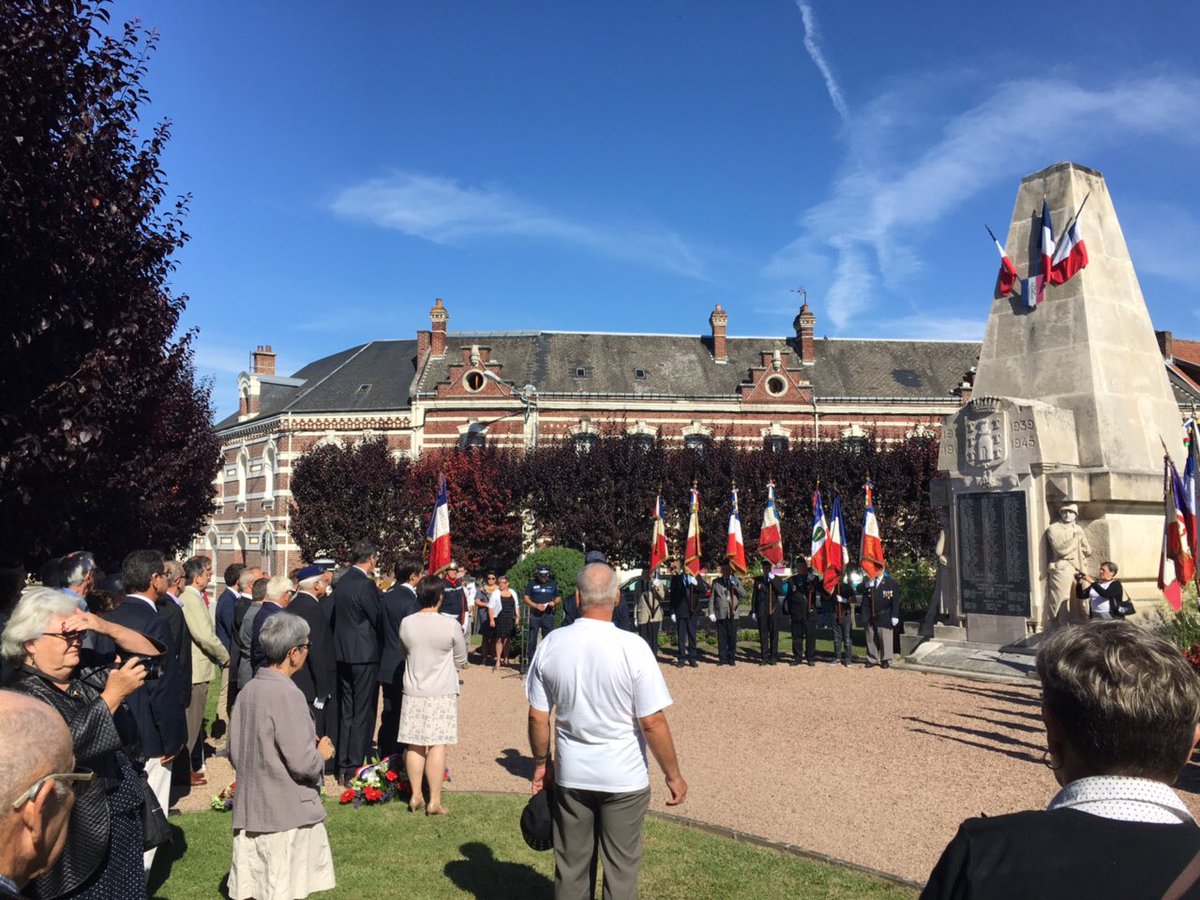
(435, 650)
(280, 848)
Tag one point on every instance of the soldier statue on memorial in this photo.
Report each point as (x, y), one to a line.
(1068, 546)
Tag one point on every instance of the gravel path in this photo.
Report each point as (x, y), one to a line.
(870, 766)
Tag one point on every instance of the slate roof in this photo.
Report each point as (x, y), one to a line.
(1185, 388)
(682, 365)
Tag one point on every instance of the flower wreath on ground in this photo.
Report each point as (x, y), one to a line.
(380, 781)
(223, 802)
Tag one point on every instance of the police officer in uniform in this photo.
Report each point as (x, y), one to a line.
(769, 591)
(541, 596)
(804, 595)
(880, 614)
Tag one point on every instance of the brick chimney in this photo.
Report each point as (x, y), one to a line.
(718, 320)
(438, 317)
(804, 323)
(1166, 344)
(262, 360)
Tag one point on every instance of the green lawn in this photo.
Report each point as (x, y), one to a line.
(477, 851)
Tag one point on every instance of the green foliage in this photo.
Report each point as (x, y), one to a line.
(564, 563)
(916, 576)
(1181, 628)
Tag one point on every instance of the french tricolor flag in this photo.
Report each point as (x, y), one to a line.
(439, 530)
(770, 542)
(735, 547)
(837, 555)
(1070, 255)
(691, 548)
(658, 537)
(1047, 252)
(870, 553)
(1009, 283)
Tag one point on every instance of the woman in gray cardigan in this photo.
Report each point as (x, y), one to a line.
(280, 848)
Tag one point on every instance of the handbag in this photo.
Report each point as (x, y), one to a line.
(1125, 608)
(155, 830)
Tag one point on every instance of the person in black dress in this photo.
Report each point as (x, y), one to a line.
(504, 624)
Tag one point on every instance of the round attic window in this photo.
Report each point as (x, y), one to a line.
(776, 385)
(473, 381)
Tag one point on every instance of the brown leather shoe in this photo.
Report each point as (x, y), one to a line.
(198, 779)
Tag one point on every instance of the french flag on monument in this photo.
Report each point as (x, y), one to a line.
(870, 553)
(1008, 282)
(836, 553)
(1191, 473)
(1047, 252)
(691, 553)
(438, 535)
(658, 537)
(735, 548)
(1070, 254)
(770, 541)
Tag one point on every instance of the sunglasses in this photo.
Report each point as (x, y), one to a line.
(75, 779)
(71, 637)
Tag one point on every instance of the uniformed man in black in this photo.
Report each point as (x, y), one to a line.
(880, 614)
(541, 596)
(683, 595)
(802, 603)
(769, 591)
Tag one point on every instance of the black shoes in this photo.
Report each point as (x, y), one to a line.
(885, 665)
(694, 664)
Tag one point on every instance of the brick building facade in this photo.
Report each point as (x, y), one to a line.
(516, 389)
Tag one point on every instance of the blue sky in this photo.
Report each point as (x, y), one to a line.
(624, 166)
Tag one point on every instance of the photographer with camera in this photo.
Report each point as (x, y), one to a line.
(1105, 596)
(46, 637)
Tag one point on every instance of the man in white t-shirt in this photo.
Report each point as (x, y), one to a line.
(608, 695)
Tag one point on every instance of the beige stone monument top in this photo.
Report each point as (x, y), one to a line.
(1090, 346)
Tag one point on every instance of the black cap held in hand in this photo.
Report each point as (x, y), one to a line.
(537, 826)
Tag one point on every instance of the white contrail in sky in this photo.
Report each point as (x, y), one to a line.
(814, 51)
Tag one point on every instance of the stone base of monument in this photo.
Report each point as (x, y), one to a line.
(997, 630)
(967, 659)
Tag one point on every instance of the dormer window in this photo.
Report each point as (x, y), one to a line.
(639, 374)
(583, 372)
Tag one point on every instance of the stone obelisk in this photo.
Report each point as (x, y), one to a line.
(1070, 410)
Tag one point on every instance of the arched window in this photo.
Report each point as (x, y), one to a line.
(474, 437)
(211, 544)
(697, 443)
(585, 441)
(241, 542)
(267, 544)
(775, 443)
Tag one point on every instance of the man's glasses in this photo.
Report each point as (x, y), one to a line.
(78, 777)
(304, 646)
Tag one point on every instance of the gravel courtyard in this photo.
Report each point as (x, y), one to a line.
(869, 766)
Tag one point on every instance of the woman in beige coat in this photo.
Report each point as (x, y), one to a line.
(280, 848)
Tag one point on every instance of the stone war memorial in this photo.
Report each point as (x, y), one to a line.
(1055, 464)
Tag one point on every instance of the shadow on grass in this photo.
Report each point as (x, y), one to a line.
(482, 875)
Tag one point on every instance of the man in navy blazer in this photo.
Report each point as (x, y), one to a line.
(157, 707)
(357, 646)
(397, 603)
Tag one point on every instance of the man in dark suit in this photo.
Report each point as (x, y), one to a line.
(397, 603)
(278, 598)
(880, 614)
(684, 602)
(157, 707)
(357, 645)
(317, 678)
(769, 591)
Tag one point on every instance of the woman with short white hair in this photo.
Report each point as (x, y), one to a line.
(280, 848)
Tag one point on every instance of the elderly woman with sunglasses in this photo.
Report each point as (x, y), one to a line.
(280, 848)
(45, 637)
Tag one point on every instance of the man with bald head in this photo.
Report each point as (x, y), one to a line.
(36, 789)
(608, 694)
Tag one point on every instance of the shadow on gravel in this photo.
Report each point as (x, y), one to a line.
(996, 736)
(514, 763)
(1014, 754)
(482, 875)
(1015, 726)
(1019, 713)
(1000, 694)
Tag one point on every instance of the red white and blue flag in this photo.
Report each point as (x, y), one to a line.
(770, 541)
(837, 555)
(735, 547)
(1008, 283)
(1177, 566)
(1191, 475)
(691, 553)
(1047, 252)
(820, 534)
(658, 537)
(438, 536)
(1070, 253)
(870, 552)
